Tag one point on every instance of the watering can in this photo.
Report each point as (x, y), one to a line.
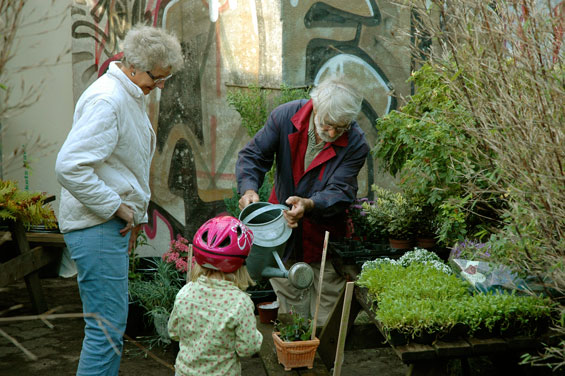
(270, 234)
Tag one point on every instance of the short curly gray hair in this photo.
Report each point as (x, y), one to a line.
(147, 47)
(335, 101)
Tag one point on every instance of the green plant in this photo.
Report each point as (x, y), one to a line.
(361, 226)
(392, 211)
(157, 293)
(255, 103)
(421, 144)
(403, 303)
(28, 207)
(299, 329)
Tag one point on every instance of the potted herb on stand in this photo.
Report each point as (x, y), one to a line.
(396, 213)
(293, 342)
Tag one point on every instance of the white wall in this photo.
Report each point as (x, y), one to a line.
(51, 116)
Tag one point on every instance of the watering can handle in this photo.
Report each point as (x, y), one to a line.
(262, 210)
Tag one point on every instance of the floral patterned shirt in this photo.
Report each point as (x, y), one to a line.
(215, 323)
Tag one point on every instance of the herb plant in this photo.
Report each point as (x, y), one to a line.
(403, 303)
(392, 211)
(299, 329)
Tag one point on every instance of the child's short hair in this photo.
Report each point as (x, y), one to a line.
(240, 277)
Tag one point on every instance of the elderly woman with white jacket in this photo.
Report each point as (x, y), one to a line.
(103, 167)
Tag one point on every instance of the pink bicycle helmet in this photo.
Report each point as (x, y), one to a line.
(222, 243)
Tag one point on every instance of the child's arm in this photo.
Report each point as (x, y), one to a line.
(247, 338)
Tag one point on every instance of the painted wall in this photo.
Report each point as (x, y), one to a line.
(227, 43)
(43, 47)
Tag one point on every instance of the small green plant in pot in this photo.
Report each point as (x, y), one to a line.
(293, 342)
(395, 212)
(298, 329)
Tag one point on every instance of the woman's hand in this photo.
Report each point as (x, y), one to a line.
(299, 207)
(250, 196)
(133, 238)
(126, 213)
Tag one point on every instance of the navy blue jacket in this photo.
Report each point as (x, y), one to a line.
(330, 180)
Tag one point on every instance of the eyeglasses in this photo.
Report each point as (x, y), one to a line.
(157, 81)
(337, 128)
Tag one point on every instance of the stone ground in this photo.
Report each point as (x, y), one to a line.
(58, 348)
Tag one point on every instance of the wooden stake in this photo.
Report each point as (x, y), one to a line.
(319, 297)
(343, 328)
(189, 266)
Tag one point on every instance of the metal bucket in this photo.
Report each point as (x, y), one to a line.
(270, 232)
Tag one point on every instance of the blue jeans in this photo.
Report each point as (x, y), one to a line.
(101, 257)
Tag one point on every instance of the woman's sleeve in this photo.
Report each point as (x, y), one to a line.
(247, 338)
(92, 140)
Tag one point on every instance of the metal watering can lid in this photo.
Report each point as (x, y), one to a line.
(270, 233)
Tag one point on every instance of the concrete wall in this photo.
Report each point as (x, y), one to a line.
(229, 43)
(39, 45)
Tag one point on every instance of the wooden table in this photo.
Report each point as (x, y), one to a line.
(268, 355)
(27, 261)
(425, 360)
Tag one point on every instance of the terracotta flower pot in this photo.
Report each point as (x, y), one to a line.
(425, 243)
(400, 243)
(268, 311)
(297, 353)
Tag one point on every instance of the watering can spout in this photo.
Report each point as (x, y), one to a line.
(271, 233)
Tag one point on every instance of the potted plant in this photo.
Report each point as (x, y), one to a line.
(361, 227)
(155, 292)
(425, 223)
(445, 304)
(28, 207)
(293, 342)
(396, 213)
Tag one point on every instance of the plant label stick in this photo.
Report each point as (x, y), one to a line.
(322, 267)
(189, 264)
(343, 328)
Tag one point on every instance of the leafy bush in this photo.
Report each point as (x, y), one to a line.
(392, 211)
(422, 142)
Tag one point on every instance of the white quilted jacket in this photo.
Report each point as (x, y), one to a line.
(106, 157)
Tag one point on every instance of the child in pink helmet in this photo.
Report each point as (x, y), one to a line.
(213, 318)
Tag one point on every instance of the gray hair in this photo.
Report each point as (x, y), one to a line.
(147, 47)
(335, 101)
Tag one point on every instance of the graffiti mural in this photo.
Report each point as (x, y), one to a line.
(228, 44)
(354, 39)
